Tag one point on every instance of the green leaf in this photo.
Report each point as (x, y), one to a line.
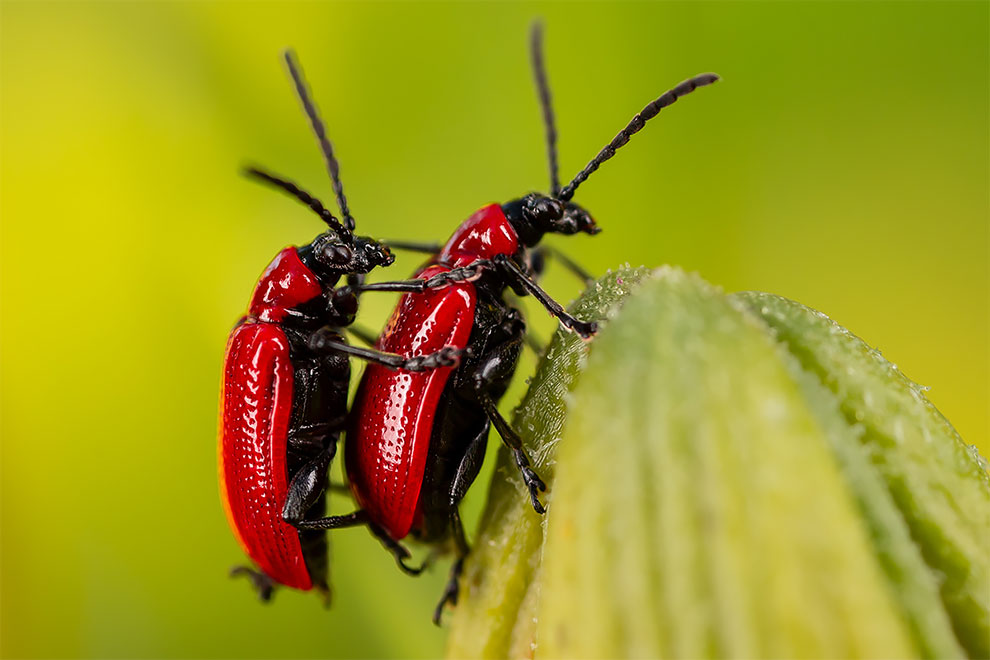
(939, 484)
(737, 477)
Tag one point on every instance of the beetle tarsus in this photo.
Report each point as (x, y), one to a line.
(450, 591)
(468, 273)
(399, 551)
(326, 340)
(263, 585)
(532, 480)
(535, 486)
(411, 570)
(518, 276)
(584, 329)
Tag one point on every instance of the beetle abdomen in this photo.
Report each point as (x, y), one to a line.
(255, 411)
(394, 411)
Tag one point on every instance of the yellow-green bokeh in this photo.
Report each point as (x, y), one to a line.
(842, 162)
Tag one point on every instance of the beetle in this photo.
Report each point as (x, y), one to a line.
(417, 440)
(286, 375)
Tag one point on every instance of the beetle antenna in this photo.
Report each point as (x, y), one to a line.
(546, 102)
(652, 109)
(321, 135)
(303, 196)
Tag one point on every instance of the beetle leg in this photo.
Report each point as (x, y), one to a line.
(356, 519)
(517, 275)
(447, 356)
(365, 336)
(494, 369)
(467, 273)
(400, 286)
(530, 340)
(355, 279)
(307, 486)
(399, 551)
(540, 253)
(311, 437)
(332, 522)
(467, 470)
(427, 248)
(452, 589)
(262, 584)
(514, 443)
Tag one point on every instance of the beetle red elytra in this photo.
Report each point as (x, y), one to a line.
(416, 441)
(286, 375)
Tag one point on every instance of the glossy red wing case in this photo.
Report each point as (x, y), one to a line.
(393, 411)
(255, 409)
(484, 235)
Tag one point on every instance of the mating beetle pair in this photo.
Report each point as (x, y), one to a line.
(419, 423)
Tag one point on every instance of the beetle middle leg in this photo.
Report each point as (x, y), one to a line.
(514, 443)
(491, 373)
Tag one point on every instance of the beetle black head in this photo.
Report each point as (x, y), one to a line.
(535, 215)
(339, 254)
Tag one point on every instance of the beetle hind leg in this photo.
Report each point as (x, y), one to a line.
(450, 591)
(399, 551)
(263, 585)
(466, 473)
(453, 588)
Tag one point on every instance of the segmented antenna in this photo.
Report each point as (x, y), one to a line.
(635, 125)
(321, 135)
(302, 196)
(546, 102)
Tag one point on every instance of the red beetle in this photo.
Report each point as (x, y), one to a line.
(285, 381)
(418, 440)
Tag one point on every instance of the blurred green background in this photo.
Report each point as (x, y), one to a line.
(842, 162)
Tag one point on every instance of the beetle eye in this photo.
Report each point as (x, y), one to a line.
(337, 254)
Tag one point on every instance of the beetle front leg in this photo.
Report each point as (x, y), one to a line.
(448, 356)
(467, 273)
(516, 274)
